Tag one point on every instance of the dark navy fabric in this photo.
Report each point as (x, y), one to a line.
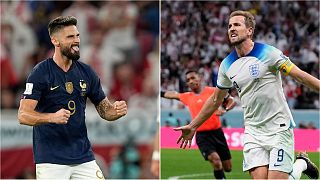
(57, 143)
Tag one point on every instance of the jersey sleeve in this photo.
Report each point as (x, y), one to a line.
(281, 62)
(184, 98)
(35, 84)
(223, 81)
(96, 94)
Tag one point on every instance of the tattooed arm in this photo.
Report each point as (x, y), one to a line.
(111, 112)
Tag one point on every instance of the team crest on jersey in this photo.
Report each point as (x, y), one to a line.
(254, 70)
(69, 87)
(83, 86)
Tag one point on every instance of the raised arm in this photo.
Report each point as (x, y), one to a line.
(170, 95)
(111, 112)
(305, 78)
(28, 116)
(209, 107)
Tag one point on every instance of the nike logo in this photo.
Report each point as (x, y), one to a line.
(53, 88)
(275, 165)
(233, 76)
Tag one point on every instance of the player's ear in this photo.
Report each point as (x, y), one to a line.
(250, 32)
(55, 41)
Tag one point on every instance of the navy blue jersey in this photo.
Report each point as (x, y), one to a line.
(55, 89)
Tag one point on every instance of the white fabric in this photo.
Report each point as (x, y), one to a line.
(298, 167)
(258, 81)
(88, 170)
(276, 150)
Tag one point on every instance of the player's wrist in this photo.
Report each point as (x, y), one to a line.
(162, 93)
(156, 155)
(193, 125)
(50, 118)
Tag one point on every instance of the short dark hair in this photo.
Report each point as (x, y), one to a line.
(61, 22)
(191, 71)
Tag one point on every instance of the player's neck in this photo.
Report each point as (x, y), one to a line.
(244, 48)
(63, 62)
(198, 90)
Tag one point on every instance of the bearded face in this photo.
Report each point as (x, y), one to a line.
(237, 41)
(237, 30)
(67, 40)
(71, 52)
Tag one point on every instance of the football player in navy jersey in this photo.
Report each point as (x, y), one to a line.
(54, 103)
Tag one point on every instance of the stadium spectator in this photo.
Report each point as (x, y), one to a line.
(127, 82)
(86, 14)
(155, 164)
(118, 20)
(125, 164)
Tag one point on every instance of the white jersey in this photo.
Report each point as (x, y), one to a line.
(257, 78)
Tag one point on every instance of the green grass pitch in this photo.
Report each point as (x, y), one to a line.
(189, 164)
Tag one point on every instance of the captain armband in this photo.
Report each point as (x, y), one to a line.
(286, 67)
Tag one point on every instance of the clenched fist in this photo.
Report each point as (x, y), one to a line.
(120, 107)
(60, 117)
(110, 111)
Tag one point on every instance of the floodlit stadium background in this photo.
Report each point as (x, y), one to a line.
(194, 35)
(120, 41)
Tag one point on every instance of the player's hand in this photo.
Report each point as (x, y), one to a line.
(155, 167)
(186, 136)
(220, 111)
(229, 103)
(120, 108)
(60, 117)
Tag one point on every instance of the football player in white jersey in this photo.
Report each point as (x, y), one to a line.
(255, 70)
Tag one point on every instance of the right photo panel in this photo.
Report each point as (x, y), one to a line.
(239, 90)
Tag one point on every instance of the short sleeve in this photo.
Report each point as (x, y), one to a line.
(35, 84)
(184, 97)
(281, 62)
(96, 94)
(223, 81)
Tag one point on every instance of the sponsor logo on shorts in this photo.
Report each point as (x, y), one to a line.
(275, 165)
(99, 174)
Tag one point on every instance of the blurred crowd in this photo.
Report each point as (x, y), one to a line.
(119, 39)
(194, 35)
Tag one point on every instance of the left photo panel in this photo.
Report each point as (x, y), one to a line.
(79, 89)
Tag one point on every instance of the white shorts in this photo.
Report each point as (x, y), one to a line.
(276, 151)
(88, 170)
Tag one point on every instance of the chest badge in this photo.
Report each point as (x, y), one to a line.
(254, 70)
(83, 86)
(69, 87)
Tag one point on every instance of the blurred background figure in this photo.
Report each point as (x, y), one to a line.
(120, 41)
